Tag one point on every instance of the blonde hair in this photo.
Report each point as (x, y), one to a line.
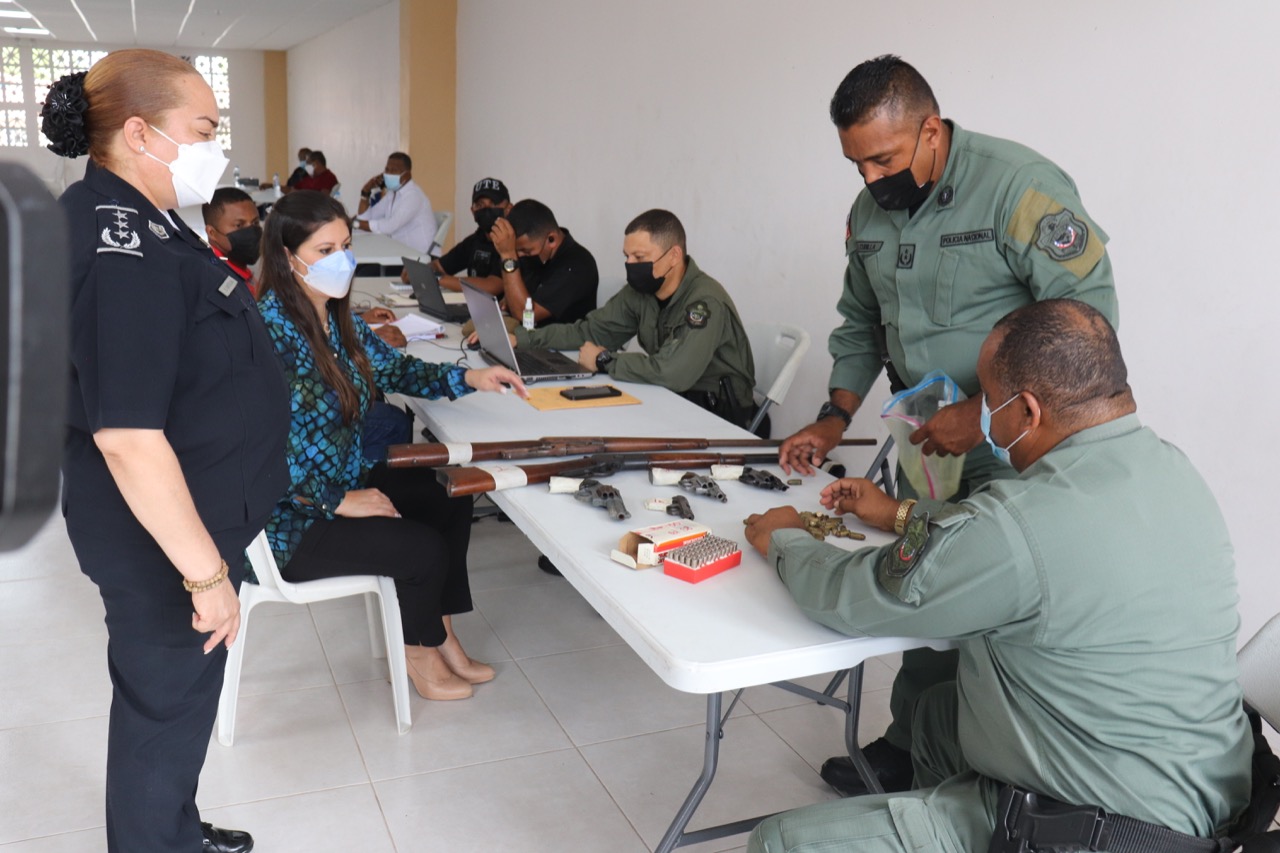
(127, 83)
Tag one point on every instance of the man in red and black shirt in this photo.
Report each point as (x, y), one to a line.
(318, 175)
(234, 232)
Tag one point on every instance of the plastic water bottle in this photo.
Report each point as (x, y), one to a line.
(528, 313)
(275, 184)
(235, 176)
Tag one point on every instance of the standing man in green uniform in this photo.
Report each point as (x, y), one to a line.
(954, 230)
(1093, 598)
(687, 325)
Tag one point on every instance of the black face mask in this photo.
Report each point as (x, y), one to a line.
(486, 217)
(246, 245)
(899, 190)
(641, 278)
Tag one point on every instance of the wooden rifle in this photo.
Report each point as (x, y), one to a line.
(462, 453)
(473, 481)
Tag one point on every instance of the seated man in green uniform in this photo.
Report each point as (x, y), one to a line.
(1092, 597)
(687, 325)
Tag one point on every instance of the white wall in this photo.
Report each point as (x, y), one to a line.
(717, 110)
(344, 97)
(248, 134)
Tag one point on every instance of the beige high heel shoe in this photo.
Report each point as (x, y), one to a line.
(429, 681)
(457, 659)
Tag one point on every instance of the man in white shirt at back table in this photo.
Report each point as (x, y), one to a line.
(403, 211)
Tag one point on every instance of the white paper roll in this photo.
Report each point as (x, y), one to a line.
(506, 477)
(459, 452)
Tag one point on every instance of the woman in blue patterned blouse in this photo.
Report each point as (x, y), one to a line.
(340, 517)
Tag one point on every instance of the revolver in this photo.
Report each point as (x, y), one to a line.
(700, 484)
(761, 480)
(598, 494)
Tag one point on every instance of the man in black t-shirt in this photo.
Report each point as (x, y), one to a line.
(542, 261)
(475, 254)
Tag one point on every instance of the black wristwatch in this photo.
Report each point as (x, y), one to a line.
(828, 409)
(603, 360)
(510, 265)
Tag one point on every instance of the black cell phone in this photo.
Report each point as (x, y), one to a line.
(589, 392)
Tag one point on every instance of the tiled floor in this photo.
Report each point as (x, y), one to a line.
(576, 746)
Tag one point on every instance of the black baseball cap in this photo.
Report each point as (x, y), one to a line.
(490, 188)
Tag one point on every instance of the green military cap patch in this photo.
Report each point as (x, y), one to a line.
(904, 555)
(698, 315)
(1058, 232)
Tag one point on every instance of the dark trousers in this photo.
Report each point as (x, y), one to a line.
(425, 550)
(164, 692)
(384, 425)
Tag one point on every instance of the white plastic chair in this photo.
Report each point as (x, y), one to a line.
(777, 349)
(1259, 663)
(443, 220)
(272, 587)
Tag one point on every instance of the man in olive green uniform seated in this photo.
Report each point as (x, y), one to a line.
(1092, 597)
(685, 322)
(953, 231)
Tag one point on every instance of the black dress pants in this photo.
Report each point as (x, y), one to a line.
(425, 550)
(164, 690)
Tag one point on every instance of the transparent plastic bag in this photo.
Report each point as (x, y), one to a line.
(931, 476)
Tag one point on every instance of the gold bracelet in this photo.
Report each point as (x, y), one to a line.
(206, 585)
(904, 513)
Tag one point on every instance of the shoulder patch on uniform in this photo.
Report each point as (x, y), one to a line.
(119, 230)
(904, 555)
(158, 230)
(864, 247)
(1062, 236)
(697, 315)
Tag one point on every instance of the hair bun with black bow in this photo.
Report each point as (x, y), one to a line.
(62, 118)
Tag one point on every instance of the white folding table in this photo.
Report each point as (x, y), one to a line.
(735, 630)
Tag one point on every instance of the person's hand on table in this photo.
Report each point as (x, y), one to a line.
(392, 336)
(473, 340)
(404, 275)
(587, 355)
(451, 282)
(378, 315)
(216, 612)
(861, 497)
(366, 503)
(955, 429)
(760, 527)
(810, 446)
(503, 237)
(498, 379)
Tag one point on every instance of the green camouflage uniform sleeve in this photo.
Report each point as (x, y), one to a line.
(610, 326)
(686, 355)
(852, 344)
(952, 576)
(1053, 246)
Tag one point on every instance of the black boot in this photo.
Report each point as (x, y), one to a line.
(891, 765)
(218, 840)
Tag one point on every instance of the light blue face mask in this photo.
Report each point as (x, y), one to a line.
(391, 182)
(331, 275)
(984, 420)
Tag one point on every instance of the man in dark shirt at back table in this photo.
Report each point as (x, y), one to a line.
(475, 254)
(542, 261)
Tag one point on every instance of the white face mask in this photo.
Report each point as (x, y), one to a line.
(331, 275)
(310, 169)
(196, 170)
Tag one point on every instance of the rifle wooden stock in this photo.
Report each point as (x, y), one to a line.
(461, 481)
(434, 455)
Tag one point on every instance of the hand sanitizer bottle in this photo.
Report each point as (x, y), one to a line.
(235, 176)
(275, 184)
(528, 313)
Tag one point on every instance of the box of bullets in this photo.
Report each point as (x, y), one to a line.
(702, 558)
(643, 548)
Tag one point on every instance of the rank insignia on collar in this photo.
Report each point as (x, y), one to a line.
(119, 230)
(158, 230)
(907, 551)
(697, 315)
(946, 196)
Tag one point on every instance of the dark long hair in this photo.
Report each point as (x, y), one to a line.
(291, 223)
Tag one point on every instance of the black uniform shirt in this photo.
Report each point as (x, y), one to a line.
(475, 254)
(565, 285)
(163, 336)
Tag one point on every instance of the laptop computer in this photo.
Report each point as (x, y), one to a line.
(426, 287)
(533, 365)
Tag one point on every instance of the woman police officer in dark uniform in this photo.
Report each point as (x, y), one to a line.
(177, 422)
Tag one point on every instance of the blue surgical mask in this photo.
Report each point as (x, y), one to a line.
(984, 420)
(331, 275)
(391, 182)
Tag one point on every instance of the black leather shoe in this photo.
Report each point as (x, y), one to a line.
(217, 840)
(891, 765)
(549, 567)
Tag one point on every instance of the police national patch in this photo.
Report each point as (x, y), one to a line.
(1062, 236)
(698, 315)
(118, 230)
(904, 555)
